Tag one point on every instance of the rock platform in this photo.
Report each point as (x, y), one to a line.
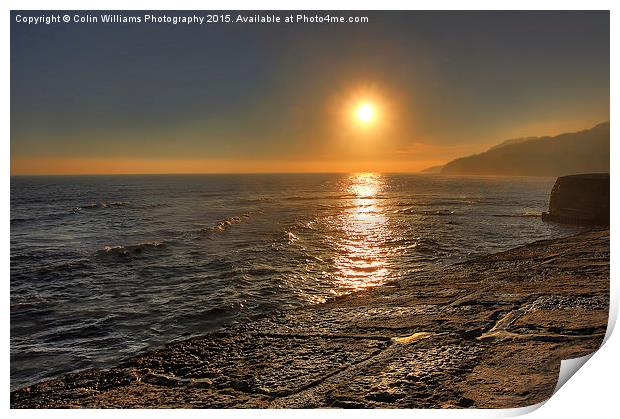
(487, 333)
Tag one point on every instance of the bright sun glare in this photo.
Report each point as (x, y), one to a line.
(365, 112)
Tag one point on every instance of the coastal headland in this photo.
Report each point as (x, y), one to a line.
(486, 333)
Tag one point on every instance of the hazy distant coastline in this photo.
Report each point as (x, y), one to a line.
(576, 152)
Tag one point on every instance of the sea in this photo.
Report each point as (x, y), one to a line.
(106, 267)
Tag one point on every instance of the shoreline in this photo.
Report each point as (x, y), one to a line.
(488, 333)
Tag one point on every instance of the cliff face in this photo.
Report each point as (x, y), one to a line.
(578, 152)
(580, 199)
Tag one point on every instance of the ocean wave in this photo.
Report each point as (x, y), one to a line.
(218, 227)
(308, 198)
(140, 249)
(100, 205)
(223, 225)
(414, 211)
(87, 330)
(227, 222)
(435, 203)
(256, 200)
(130, 250)
(522, 215)
(33, 302)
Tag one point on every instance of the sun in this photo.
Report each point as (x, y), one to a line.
(365, 112)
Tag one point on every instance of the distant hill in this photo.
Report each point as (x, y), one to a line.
(432, 170)
(513, 141)
(584, 151)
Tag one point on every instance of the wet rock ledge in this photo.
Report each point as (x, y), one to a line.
(488, 333)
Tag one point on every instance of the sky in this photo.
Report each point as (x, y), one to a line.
(159, 98)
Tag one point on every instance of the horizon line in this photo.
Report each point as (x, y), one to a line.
(279, 173)
(212, 173)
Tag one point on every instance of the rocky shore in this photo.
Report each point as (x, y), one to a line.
(487, 333)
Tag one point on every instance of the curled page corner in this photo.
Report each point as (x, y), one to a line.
(568, 368)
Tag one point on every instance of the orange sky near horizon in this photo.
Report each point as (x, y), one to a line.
(172, 166)
(415, 157)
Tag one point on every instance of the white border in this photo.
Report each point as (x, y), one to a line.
(592, 392)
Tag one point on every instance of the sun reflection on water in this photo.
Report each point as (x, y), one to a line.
(362, 260)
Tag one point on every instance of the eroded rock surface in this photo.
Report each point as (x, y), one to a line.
(488, 333)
